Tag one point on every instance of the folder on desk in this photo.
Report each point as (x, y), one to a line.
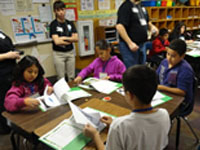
(100, 85)
(158, 98)
(68, 134)
(61, 95)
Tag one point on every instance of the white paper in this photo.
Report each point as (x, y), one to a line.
(104, 86)
(62, 94)
(118, 3)
(104, 4)
(23, 5)
(70, 14)
(40, 1)
(45, 13)
(61, 87)
(79, 116)
(7, 7)
(193, 52)
(62, 134)
(87, 5)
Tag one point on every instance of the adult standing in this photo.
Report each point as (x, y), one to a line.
(132, 26)
(7, 64)
(63, 33)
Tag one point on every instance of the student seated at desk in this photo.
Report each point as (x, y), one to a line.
(105, 66)
(175, 74)
(28, 81)
(180, 32)
(160, 43)
(145, 128)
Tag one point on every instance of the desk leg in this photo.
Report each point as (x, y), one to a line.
(12, 138)
(178, 131)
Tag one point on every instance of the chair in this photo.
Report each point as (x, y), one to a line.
(187, 109)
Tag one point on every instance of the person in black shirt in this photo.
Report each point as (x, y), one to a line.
(132, 25)
(7, 64)
(63, 33)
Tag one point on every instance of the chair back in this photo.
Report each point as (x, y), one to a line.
(189, 107)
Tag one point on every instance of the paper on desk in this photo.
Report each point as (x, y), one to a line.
(105, 86)
(64, 134)
(195, 52)
(83, 118)
(60, 87)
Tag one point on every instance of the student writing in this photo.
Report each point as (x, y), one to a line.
(105, 66)
(28, 80)
(145, 128)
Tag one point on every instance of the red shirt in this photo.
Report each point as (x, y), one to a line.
(158, 46)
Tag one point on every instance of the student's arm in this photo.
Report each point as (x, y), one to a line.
(89, 69)
(122, 32)
(94, 134)
(9, 55)
(120, 69)
(172, 90)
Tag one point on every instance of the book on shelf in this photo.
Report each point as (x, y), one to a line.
(62, 94)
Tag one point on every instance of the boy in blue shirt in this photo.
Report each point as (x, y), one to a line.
(175, 74)
(145, 128)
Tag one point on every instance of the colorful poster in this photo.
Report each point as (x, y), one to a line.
(27, 28)
(104, 4)
(87, 5)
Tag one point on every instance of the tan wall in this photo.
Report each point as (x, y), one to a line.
(46, 48)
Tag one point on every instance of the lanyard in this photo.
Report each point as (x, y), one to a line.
(142, 110)
(141, 14)
(104, 66)
(31, 88)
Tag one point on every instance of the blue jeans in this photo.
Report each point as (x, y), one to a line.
(131, 58)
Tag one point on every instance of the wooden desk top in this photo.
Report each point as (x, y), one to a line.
(93, 103)
(30, 121)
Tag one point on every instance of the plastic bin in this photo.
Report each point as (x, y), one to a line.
(158, 3)
(169, 3)
(148, 3)
(164, 3)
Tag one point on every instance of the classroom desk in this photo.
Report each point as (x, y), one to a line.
(93, 103)
(25, 123)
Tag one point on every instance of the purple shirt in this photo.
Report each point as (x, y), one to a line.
(180, 76)
(113, 67)
(15, 96)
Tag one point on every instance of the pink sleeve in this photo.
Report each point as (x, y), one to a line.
(47, 82)
(14, 99)
(120, 69)
(88, 70)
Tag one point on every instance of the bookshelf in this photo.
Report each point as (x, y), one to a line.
(107, 32)
(168, 16)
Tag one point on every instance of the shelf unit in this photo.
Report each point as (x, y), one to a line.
(106, 32)
(167, 17)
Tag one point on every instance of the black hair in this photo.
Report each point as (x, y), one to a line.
(179, 46)
(22, 65)
(58, 5)
(163, 31)
(141, 81)
(103, 45)
(177, 31)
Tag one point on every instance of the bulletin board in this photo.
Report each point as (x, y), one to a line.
(99, 17)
